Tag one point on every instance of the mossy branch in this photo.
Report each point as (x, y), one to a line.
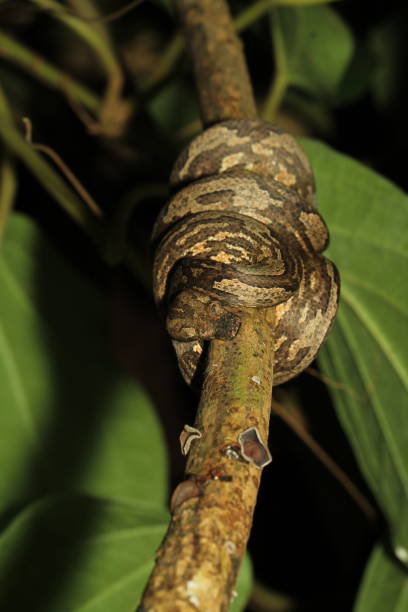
(198, 562)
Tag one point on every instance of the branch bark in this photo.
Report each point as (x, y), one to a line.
(220, 71)
(198, 562)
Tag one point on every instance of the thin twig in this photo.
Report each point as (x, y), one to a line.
(8, 181)
(212, 509)
(114, 15)
(64, 168)
(280, 80)
(8, 189)
(329, 463)
(29, 60)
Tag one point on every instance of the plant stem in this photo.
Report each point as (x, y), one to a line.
(252, 13)
(8, 188)
(280, 80)
(198, 562)
(47, 176)
(52, 76)
(8, 182)
(325, 459)
(175, 47)
(221, 74)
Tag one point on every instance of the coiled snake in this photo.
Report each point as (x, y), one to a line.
(243, 231)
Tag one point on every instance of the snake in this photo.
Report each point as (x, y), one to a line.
(242, 230)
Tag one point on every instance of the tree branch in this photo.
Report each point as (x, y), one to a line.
(221, 74)
(198, 562)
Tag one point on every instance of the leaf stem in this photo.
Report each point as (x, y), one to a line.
(362, 502)
(114, 111)
(52, 76)
(280, 81)
(8, 182)
(47, 176)
(251, 14)
(8, 189)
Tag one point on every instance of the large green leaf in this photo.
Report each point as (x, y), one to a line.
(79, 554)
(318, 48)
(367, 350)
(69, 420)
(385, 586)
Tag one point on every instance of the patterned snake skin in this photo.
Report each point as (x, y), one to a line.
(243, 231)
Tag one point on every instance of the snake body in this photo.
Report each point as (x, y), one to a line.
(243, 231)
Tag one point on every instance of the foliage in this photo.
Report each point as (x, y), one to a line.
(84, 464)
(364, 350)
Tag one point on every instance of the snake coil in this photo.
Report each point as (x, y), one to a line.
(243, 231)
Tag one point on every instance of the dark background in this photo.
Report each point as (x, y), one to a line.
(310, 541)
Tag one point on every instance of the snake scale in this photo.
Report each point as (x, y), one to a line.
(242, 230)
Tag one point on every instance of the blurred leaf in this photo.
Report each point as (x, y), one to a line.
(366, 350)
(8, 188)
(385, 586)
(69, 419)
(99, 42)
(91, 555)
(313, 113)
(318, 47)
(51, 75)
(387, 43)
(71, 422)
(244, 586)
(358, 76)
(8, 178)
(166, 106)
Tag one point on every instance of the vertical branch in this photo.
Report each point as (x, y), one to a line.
(221, 74)
(198, 562)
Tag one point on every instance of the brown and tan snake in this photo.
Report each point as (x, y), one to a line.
(243, 231)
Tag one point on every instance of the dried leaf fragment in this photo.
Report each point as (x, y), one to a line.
(253, 449)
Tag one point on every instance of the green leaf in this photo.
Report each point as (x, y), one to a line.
(367, 350)
(165, 106)
(70, 420)
(318, 47)
(53, 76)
(357, 78)
(385, 586)
(244, 586)
(87, 32)
(91, 555)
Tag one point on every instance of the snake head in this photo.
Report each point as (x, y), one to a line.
(195, 316)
